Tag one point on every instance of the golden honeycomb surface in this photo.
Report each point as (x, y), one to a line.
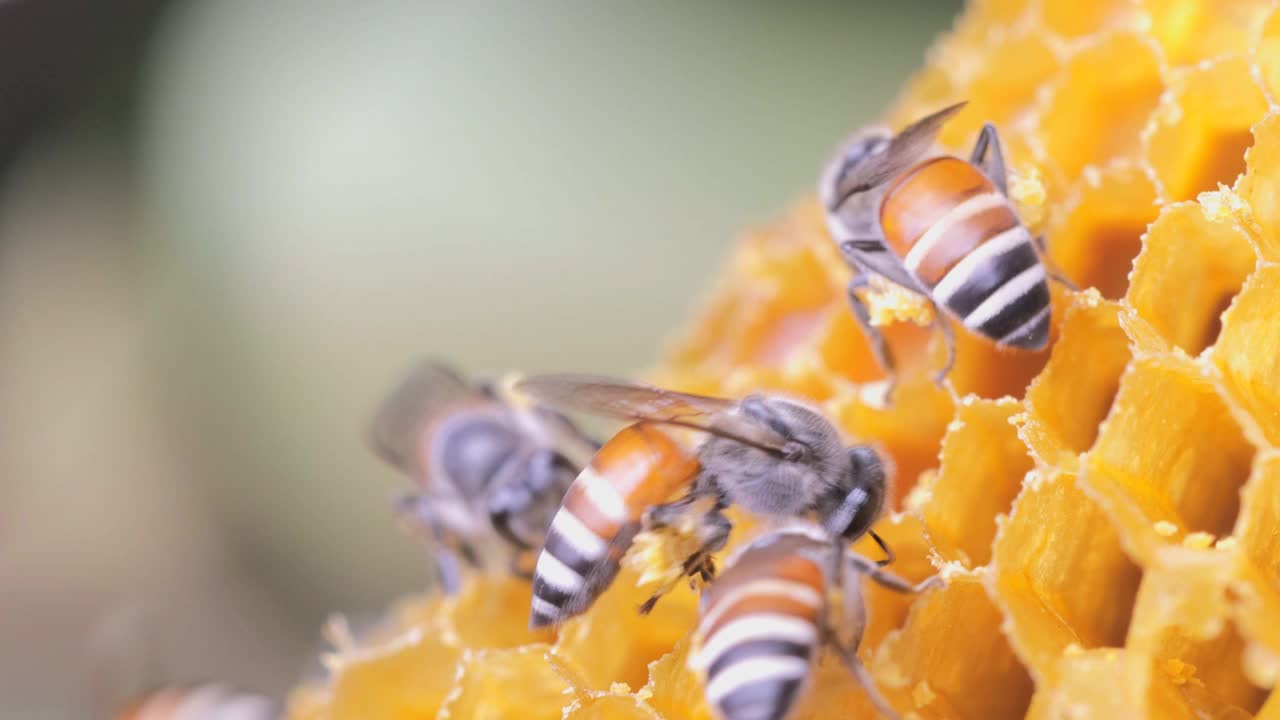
(1106, 512)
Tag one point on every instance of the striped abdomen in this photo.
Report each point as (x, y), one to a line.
(959, 236)
(639, 467)
(204, 702)
(760, 628)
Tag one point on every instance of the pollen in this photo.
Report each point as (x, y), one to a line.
(1107, 510)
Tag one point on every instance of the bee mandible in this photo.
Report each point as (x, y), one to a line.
(764, 620)
(769, 455)
(939, 226)
(487, 462)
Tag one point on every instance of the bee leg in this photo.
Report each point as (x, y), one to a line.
(879, 347)
(416, 513)
(712, 530)
(1054, 273)
(988, 156)
(859, 672)
(949, 339)
(889, 557)
(859, 565)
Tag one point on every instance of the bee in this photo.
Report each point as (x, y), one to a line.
(199, 702)
(942, 227)
(764, 620)
(487, 463)
(770, 455)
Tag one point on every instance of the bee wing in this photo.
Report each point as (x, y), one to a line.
(904, 150)
(626, 400)
(397, 425)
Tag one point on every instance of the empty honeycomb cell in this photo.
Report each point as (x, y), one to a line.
(1089, 17)
(959, 615)
(911, 446)
(1107, 91)
(1098, 233)
(1068, 401)
(481, 616)
(1190, 269)
(1189, 473)
(1193, 30)
(982, 466)
(1180, 627)
(634, 640)
(1258, 526)
(1260, 186)
(517, 682)
(1053, 539)
(1248, 351)
(1201, 131)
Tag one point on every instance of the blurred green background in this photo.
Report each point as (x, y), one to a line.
(227, 226)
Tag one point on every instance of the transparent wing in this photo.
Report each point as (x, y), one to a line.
(397, 425)
(904, 150)
(626, 400)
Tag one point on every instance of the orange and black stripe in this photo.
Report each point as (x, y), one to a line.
(639, 467)
(961, 238)
(760, 626)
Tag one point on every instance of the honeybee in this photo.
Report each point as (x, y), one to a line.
(772, 456)
(765, 619)
(200, 702)
(942, 227)
(486, 460)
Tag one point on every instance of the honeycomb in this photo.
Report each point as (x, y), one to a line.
(1107, 511)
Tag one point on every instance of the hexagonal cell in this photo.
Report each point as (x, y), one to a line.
(1201, 131)
(1189, 270)
(1107, 93)
(1055, 537)
(1193, 30)
(983, 464)
(1098, 233)
(1169, 454)
(1183, 627)
(1068, 401)
(507, 683)
(922, 654)
(1260, 186)
(1248, 351)
(1258, 527)
(910, 430)
(1086, 18)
